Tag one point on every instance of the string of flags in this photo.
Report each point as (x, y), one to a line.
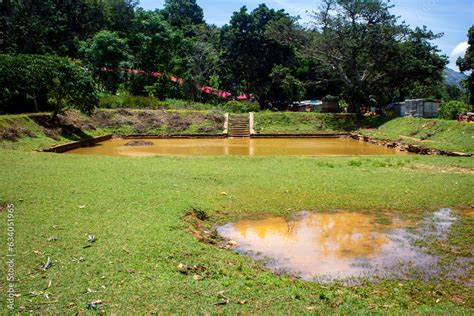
(205, 89)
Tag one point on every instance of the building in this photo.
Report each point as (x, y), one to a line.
(426, 108)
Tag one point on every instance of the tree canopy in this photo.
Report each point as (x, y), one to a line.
(466, 63)
(355, 50)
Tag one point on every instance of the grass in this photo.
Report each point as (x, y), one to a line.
(136, 208)
(29, 131)
(304, 123)
(432, 133)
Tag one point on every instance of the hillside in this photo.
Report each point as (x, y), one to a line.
(453, 77)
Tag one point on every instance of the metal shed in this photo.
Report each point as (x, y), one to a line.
(420, 108)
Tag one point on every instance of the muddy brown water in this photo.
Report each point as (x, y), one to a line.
(340, 245)
(238, 146)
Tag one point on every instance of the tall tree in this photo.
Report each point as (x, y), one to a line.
(249, 54)
(466, 63)
(369, 52)
(48, 26)
(106, 49)
(183, 13)
(154, 44)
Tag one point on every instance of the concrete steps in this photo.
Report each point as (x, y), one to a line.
(239, 126)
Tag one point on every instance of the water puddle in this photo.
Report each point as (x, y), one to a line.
(236, 146)
(340, 245)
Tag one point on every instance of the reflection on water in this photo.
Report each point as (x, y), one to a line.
(238, 146)
(331, 245)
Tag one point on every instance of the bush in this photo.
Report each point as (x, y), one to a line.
(450, 110)
(241, 107)
(32, 83)
(131, 102)
(142, 102)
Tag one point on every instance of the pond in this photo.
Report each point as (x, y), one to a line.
(236, 146)
(341, 245)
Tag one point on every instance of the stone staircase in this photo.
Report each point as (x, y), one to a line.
(239, 126)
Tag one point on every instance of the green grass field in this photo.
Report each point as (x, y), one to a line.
(432, 133)
(136, 207)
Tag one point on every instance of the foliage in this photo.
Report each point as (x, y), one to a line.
(450, 110)
(183, 13)
(56, 27)
(285, 87)
(466, 63)
(40, 83)
(241, 107)
(249, 54)
(367, 50)
(154, 45)
(127, 101)
(357, 51)
(106, 49)
(130, 102)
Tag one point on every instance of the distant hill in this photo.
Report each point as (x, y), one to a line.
(453, 77)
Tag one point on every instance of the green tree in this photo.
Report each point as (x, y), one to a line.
(285, 87)
(450, 110)
(39, 27)
(154, 45)
(106, 49)
(44, 83)
(466, 63)
(249, 54)
(369, 52)
(183, 13)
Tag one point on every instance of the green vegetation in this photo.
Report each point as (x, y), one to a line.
(44, 83)
(450, 110)
(431, 133)
(172, 53)
(37, 131)
(142, 102)
(116, 230)
(308, 123)
(137, 211)
(466, 63)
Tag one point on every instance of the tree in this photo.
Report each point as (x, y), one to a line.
(154, 45)
(285, 87)
(466, 63)
(450, 110)
(55, 27)
(249, 54)
(369, 52)
(43, 83)
(120, 14)
(183, 13)
(106, 49)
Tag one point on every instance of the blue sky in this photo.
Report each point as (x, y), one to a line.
(451, 17)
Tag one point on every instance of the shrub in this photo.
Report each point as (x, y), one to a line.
(241, 107)
(32, 83)
(450, 110)
(131, 102)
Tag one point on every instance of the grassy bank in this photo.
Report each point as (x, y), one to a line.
(37, 131)
(432, 133)
(136, 209)
(304, 123)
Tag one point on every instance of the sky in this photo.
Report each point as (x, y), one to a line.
(451, 17)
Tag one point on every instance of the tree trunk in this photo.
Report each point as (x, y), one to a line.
(35, 102)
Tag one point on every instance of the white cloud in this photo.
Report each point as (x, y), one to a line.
(459, 50)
